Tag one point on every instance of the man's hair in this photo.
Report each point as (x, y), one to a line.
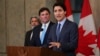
(36, 18)
(43, 9)
(59, 4)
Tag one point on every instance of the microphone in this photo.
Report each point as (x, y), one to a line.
(41, 29)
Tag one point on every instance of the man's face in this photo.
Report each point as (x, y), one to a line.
(59, 13)
(44, 16)
(34, 22)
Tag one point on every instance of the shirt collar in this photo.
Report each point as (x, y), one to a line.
(45, 24)
(62, 22)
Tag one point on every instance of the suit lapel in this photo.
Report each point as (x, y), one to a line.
(55, 32)
(47, 32)
(39, 33)
(63, 29)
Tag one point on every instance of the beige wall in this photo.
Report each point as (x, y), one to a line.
(2, 27)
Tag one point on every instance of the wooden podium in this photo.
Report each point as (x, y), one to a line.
(31, 51)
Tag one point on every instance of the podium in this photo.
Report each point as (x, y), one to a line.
(31, 51)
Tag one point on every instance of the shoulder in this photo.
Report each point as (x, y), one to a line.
(52, 23)
(29, 31)
(37, 27)
(71, 23)
(54, 26)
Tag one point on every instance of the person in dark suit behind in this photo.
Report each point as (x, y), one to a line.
(63, 36)
(41, 32)
(34, 21)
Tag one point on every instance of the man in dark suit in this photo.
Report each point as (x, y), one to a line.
(34, 21)
(63, 35)
(41, 32)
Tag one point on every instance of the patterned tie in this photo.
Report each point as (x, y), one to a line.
(43, 34)
(58, 31)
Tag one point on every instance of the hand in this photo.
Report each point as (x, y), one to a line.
(52, 44)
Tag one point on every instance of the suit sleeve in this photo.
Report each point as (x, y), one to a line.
(72, 45)
(49, 37)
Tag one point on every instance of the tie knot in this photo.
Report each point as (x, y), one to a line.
(44, 25)
(59, 25)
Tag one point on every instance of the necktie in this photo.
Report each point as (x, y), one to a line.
(43, 34)
(58, 31)
(31, 35)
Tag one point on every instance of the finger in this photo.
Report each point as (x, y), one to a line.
(50, 46)
(51, 43)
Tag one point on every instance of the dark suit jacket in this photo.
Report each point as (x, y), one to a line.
(27, 38)
(68, 38)
(36, 37)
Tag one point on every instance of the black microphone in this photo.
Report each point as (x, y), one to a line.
(41, 29)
